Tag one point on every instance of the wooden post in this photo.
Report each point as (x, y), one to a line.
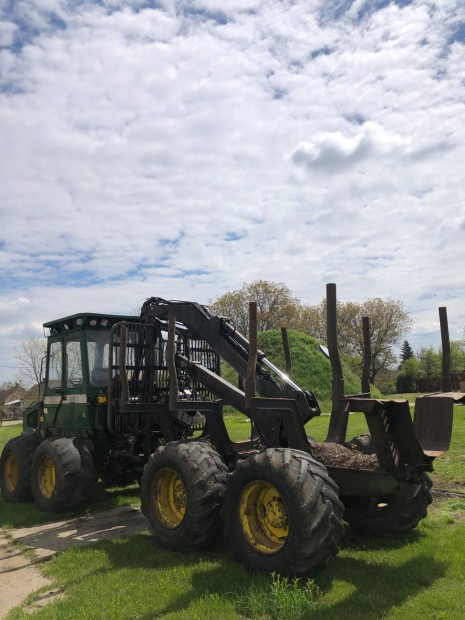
(339, 415)
(253, 353)
(366, 355)
(446, 384)
(287, 352)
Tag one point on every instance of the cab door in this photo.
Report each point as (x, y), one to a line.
(66, 403)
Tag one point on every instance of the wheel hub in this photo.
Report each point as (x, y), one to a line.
(11, 473)
(169, 497)
(264, 517)
(47, 477)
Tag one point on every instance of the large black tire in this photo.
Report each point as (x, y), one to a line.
(282, 513)
(386, 516)
(182, 491)
(15, 468)
(62, 474)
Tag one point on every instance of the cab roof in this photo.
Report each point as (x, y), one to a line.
(87, 320)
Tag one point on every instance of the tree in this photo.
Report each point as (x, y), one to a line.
(14, 384)
(275, 306)
(409, 373)
(312, 320)
(388, 322)
(406, 352)
(30, 353)
(430, 366)
(457, 359)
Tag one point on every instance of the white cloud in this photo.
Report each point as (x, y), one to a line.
(14, 306)
(20, 331)
(334, 152)
(182, 148)
(7, 33)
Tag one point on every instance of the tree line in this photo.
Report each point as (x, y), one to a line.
(421, 370)
(277, 307)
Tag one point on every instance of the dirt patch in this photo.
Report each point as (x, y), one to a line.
(19, 573)
(446, 489)
(19, 576)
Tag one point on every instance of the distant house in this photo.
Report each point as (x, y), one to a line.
(14, 407)
(16, 399)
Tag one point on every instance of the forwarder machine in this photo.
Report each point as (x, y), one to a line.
(141, 398)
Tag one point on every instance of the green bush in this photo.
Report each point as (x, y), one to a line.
(286, 598)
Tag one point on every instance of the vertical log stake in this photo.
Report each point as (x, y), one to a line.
(339, 415)
(446, 383)
(253, 353)
(366, 355)
(287, 352)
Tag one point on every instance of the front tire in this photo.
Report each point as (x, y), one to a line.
(182, 490)
(62, 474)
(15, 468)
(282, 513)
(385, 516)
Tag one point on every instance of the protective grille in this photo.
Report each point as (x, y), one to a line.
(139, 366)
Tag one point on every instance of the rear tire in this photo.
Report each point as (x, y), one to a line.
(385, 516)
(282, 513)
(182, 490)
(15, 468)
(62, 474)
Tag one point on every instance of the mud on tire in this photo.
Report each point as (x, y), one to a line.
(182, 491)
(282, 513)
(62, 474)
(15, 468)
(385, 516)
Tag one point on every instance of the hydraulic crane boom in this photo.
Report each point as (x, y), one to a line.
(233, 347)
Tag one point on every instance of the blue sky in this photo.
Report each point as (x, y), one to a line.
(180, 149)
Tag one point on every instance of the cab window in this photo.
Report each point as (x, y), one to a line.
(97, 354)
(55, 360)
(74, 375)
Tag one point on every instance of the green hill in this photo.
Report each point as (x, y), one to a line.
(311, 369)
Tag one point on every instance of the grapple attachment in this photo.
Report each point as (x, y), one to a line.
(433, 421)
(391, 429)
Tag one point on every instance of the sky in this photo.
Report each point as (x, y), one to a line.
(180, 149)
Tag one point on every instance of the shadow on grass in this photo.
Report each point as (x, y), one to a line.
(354, 539)
(101, 498)
(369, 588)
(376, 588)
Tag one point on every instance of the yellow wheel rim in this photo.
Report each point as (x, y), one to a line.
(47, 477)
(11, 475)
(263, 517)
(169, 497)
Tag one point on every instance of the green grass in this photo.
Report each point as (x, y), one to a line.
(420, 575)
